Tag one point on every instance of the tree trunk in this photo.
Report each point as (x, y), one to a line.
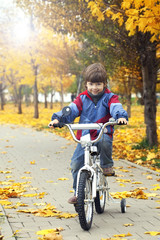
(45, 100)
(79, 85)
(1, 97)
(149, 76)
(15, 95)
(51, 104)
(20, 100)
(129, 105)
(62, 98)
(27, 95)
(36, 112)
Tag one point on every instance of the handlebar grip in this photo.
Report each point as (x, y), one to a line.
(122, 123)
(59, 125)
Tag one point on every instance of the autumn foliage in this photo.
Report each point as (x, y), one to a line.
(126, 138)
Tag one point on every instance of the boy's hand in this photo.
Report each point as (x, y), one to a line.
(122, 121)
(55, 121)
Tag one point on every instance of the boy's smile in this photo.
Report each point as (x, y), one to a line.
(95, 87)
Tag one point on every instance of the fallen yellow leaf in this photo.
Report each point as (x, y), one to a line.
(5, 202)
(46, 231)
(24, 177)
(123, 180)
(62, 179)
(52, 236)
(149, 177)
(151, 156)
(32, 162)
(136, 182)
(67, 215)
(125, 170)
(128, 224)
(152, 233)
(156, 188)
(122, 185)
(16, 232)
(39, 204)
(123, 235)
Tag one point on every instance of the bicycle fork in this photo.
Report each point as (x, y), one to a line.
(90, 170)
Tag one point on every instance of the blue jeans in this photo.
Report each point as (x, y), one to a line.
(104, 146)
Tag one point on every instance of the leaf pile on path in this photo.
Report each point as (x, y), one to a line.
(16, 190)
(48, 211)
(136, 193)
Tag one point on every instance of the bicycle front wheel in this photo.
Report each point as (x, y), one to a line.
(85, 201)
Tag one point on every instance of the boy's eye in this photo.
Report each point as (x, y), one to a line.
(97, 84)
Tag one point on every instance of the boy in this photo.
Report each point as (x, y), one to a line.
(95, 105)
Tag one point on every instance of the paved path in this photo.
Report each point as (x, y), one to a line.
(19, 146)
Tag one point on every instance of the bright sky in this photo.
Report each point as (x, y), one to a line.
(20, 28)
(5, 3)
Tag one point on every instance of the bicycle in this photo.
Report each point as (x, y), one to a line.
(92, 185)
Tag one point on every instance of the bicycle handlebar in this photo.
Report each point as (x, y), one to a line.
(89, 126)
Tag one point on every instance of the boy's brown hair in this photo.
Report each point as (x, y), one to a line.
(95, 73)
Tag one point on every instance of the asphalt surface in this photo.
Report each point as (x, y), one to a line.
(37, 159)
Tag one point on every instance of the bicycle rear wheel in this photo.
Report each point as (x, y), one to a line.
(84, 201)
(100, 199)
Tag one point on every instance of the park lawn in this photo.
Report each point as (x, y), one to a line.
(127, 139)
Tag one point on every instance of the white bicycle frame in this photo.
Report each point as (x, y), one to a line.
(86, 142)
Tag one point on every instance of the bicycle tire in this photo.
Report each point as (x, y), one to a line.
(123, 205)
(84, 203)
(100, 199)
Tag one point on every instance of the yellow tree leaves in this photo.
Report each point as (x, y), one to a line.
(95, 9)
(144, 15)
(126, 139)
(141, 15)
(44, 49)
(124, 80)
(57, 50)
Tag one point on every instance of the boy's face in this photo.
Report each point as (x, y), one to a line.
(95, 87)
